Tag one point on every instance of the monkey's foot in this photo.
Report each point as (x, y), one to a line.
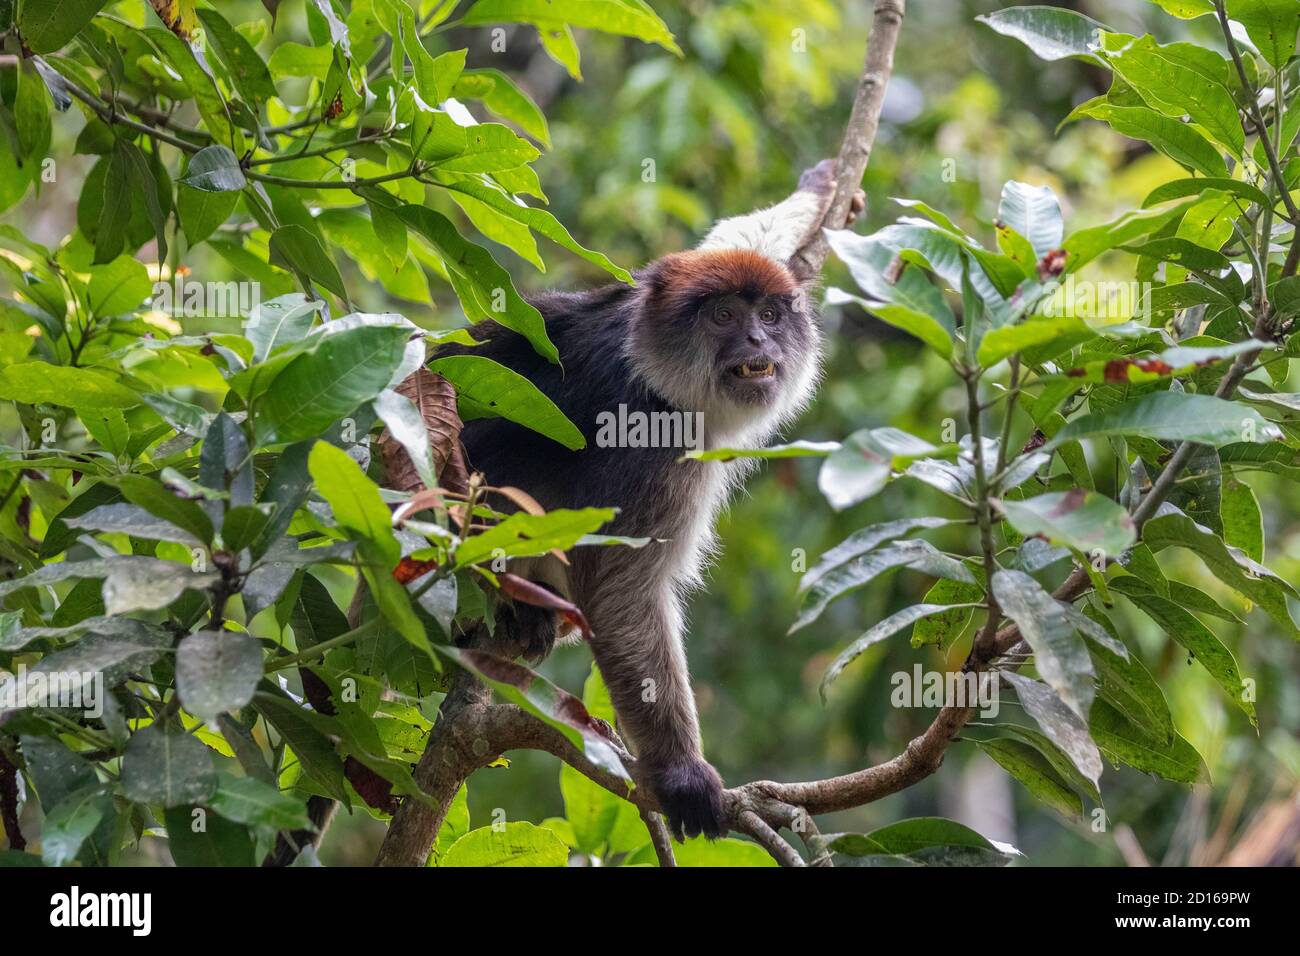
(690, 795)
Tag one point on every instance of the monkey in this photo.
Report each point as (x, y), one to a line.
(723, 332)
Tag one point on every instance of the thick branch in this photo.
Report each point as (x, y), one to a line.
(860, 133)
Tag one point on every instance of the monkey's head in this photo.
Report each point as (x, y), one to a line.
(728, 333)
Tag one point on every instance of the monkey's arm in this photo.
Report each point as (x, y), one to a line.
(779, 231)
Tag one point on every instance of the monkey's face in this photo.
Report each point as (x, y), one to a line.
(758, 343)
(728, 333)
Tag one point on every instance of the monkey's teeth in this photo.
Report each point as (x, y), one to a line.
(765, 371)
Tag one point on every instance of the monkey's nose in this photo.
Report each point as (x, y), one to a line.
(757, 338)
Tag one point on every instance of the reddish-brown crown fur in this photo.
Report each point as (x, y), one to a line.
(680, 279)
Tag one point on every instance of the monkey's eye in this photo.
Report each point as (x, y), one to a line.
(768, 316)
(723, 315)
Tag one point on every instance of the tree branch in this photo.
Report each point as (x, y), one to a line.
(859, 134)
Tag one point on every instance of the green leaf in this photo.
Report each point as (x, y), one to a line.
(167, 766)
(1199, 641)
(242, 526)
(1243, 523)
(516, 843)
(796, 449)
(354, 499)
(1060, 656)
(1181, 252)
(163, 503)
(197, 838)
(1172, 416)
(1176, 88)
(538, 220)
(1059, 722)
(1124, 742)
(408, 428)
(1085, 245)
(728, 851)
(37, 382)
(1178, 188)
(487, 389)
(942, 629)
(910, 302)
(1052, 33)
(279, 321)
(1186, 9)
(1084, 520)
(863, 465)
(1033, 212)
(1271, 26)
(1171, 528)
(932, 841)
(864, 540)
(47, 26)
(1054, 755)
(1129, 687)
(217, 673)
(130, 519)
(602, 823)
(116, 649)
(70, 823)
(319, 387)
(916, 555)
(202, 86)
(621, 17)
(256, 804)
(55, 770)
(998, 343)
(390, 230)
(203, 212)
(1037, 775)
(248, 73)
(118, 288)
(1179, 141)
(919, 324)
(524, 535)
(560, 46)
(489, 147)
(313, 749)
(31, 113)
(214, 169)
(297, 59)
(500, 94)
(147, 178)
(877, 633)
(483, 287)
(295, 247)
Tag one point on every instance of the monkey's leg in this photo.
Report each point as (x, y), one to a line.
(637, 641)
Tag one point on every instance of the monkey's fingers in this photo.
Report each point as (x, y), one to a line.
(819, 179)
(857, 206)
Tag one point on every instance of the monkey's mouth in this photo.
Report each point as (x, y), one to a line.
(755, 368)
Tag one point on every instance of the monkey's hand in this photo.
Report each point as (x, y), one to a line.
(690, 795)
(820, 179)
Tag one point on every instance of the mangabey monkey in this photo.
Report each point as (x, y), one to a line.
(725, 330)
